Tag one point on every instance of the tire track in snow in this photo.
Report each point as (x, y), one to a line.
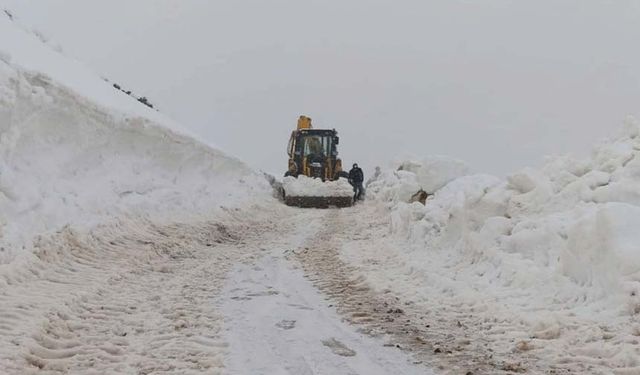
(278, 323)
(132, 298)
(444, 341)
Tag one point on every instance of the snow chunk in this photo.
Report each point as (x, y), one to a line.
(603, 246)
(5, 57)
(435, 171)
(430, 174)
(611, 156)
(393, 186)
(631, 127)
(304, 186)
(525, 181)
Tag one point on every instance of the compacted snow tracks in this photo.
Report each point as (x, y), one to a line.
(382, 314)
(238, 295)
(131, 298)
(278, 323)
(220, 296)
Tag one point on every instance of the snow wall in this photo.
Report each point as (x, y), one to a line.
(76, 151)
(566, 232)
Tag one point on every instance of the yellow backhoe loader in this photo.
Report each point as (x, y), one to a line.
(314, 153)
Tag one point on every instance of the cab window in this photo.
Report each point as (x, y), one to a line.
(316, 144)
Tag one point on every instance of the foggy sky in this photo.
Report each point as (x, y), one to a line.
(499, 84)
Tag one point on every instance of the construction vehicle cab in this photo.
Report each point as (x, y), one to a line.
(314, 152)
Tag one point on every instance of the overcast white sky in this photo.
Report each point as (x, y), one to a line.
(499, 84)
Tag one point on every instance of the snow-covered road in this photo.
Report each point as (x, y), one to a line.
(129, 298)
(259, 290)
(278, 323)
(222, 296)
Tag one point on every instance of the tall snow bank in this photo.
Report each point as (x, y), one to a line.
(434, 172)
(429, 174)
(74, 151)
(556, 246)
(563, 217)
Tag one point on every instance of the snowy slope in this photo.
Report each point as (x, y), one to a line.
(550, 255)
(73, 150)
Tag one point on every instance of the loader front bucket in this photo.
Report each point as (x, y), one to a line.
(318, 202)
(310, 192)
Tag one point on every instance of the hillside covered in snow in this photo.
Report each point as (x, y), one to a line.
(74, 150)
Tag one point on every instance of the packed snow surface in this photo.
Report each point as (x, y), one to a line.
(304, 186)
(282, 320)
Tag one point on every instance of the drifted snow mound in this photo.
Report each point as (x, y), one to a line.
(393, 186)
(434, 172)
(304, 186)
(430, 174)
(546, 216)
(563, 239)
(571, 217)
(74, 151)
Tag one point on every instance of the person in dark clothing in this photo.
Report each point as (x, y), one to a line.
(356, 177)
